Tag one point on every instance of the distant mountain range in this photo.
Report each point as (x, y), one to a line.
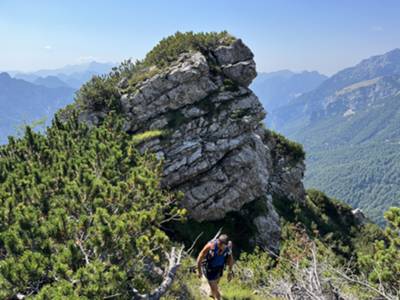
(71, 75)
(350, 127)
(277, 89)
(28, 97)
(50, 82)
(22, 102)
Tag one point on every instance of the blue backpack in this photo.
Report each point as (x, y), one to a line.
(213, 260)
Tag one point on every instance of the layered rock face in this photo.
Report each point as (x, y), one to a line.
(214, 146)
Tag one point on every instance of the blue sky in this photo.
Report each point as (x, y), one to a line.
(299, 34)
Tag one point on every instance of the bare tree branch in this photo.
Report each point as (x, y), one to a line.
(79, 243)
(218, 233)
(365, 284)
(193, 244)
(174, 260)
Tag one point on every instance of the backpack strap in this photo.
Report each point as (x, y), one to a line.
(215, 247)
(212, 251)
(228, 250)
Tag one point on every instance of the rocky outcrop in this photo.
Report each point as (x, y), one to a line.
(213, 142)
(359, 216)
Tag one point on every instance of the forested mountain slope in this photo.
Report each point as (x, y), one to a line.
(350, 128)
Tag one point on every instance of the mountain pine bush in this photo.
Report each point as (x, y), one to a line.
(81, 214)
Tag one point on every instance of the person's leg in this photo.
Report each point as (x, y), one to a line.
(214, 289)
(217, 282)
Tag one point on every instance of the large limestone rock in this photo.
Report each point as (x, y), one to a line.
(215, 149)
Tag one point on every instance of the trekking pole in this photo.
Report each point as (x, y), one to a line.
(218, 233)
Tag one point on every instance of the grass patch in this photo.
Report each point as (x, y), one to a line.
(138, 77)
(234, 290)
(147, 135)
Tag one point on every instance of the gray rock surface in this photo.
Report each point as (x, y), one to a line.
(360, 216)
(214, 145)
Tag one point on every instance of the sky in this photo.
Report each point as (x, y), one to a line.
(326, 36)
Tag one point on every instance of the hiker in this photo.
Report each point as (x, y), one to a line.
(216, 253)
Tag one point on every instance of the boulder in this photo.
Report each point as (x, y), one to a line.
(214, 144)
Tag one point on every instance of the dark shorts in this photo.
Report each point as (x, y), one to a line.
(213, 273)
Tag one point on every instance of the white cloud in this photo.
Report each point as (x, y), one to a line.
(48, 47)
(377, 28)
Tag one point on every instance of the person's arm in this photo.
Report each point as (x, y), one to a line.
(230, 267)
(230, 262)
(201, 256)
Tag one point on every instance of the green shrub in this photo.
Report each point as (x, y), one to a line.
(327, 219)
(100, 94)
(80, 211)
(285, 146)
(168, 49)
(383, 264)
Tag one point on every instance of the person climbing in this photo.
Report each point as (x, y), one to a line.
(211, 262)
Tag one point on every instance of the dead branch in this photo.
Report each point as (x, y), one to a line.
(78, 242)
(218, 233)
(364, 284)
(187, 252)
(174, 260)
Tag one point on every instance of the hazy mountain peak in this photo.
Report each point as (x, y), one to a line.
(279, 73)
(69, 75)
(50, 82)
(278, 88)
(372, 67)
(4, 75)
(93, 66)
(389, 57)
